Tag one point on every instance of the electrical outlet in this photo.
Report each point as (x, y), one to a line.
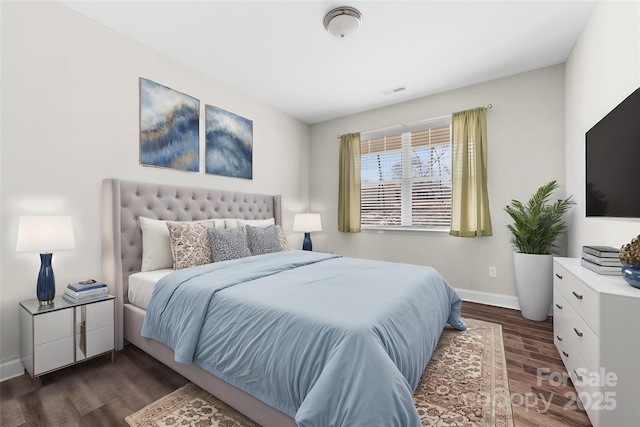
(493, 272)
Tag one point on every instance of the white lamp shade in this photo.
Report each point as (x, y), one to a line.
(45, 233)
(307, 222)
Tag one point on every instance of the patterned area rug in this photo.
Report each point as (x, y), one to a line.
(465, 384)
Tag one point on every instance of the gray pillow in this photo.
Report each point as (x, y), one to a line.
(263, 240)
(227, 244)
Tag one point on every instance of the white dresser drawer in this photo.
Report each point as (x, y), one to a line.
(575, 329)
(563, 343)
(587, 389)
(582, 298)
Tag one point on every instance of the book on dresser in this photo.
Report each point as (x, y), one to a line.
(602, 251)
(607, 262)
(602, 269)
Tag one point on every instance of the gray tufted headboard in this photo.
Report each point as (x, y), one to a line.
(125, 201)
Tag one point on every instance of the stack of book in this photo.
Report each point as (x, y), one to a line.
(85, 291)
(602, 260)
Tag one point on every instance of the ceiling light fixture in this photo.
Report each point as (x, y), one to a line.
(343, 21)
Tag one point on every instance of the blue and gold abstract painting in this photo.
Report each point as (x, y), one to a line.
(229, 144)
(169, 128)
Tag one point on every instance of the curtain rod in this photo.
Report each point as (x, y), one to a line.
(488, 107)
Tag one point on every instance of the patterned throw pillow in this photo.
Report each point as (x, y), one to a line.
(156, 242)
(263, 240)
(284, 243)
(189, 244)
(228, 244)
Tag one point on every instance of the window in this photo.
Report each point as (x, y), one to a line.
(406, 177)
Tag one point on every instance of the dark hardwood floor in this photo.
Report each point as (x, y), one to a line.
(538, 396)
(98, 393)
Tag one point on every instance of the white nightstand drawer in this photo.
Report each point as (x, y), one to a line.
(582, 298)
(99, 315)
(100, 341)
(53, 355)
(52, 326)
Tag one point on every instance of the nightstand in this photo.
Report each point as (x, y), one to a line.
(64, 333)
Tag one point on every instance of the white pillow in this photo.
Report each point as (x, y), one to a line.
(156, 243)
(233, 222)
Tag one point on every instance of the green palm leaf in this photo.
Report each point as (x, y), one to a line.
(537, 224)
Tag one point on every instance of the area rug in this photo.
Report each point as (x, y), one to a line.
(465, 384)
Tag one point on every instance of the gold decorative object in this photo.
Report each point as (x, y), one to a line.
(630, 253)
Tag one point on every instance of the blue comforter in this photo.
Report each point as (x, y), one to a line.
(331, 341)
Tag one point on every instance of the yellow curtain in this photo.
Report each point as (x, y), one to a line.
(470, 199)
(349, 185)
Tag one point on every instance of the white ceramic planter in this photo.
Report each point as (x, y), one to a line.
(534, 283)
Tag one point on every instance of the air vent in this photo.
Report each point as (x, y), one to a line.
(393, 90)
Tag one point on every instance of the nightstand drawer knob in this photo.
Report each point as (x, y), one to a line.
(578, 333)
(578, 377)
(576, 295)
(565, 354)
(558, 276)
(559, 338)
(559, 306)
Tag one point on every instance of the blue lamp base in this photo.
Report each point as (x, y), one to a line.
(306, 243)
(46, 287)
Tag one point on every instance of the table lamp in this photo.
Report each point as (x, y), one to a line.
(44, 234)
(307, 223)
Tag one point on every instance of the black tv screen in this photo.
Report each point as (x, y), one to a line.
(613, 162)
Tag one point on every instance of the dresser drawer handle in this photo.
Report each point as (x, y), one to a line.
(559, 339)
(559, 306)
(578, 333)
(558, 276)
(565, 353)
(578, 377)
(576, 295)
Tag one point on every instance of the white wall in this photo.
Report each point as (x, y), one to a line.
(526, 150)
(602, 70)
(70, 105)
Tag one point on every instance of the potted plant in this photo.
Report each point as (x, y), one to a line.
(535, 229)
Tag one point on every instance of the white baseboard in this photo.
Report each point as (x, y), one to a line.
(488, 298)
(11, 369)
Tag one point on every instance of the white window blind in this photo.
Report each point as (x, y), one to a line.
(406, 177)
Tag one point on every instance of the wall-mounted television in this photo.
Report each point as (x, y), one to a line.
(613, 162)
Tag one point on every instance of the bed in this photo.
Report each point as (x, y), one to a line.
(287, 338)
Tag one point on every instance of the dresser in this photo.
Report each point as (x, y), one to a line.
(596, 324)
(63, 333)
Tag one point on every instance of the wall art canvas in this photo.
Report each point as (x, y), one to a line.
(169, 128)
(229, 144)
